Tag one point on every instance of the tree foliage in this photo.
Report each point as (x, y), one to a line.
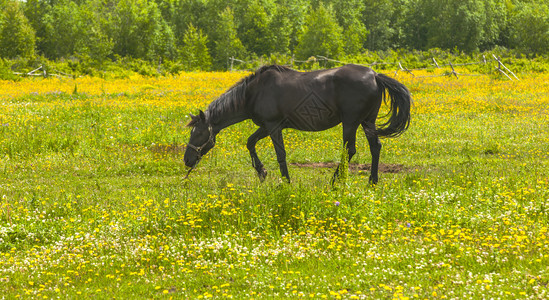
(195, 54)
(160, 30)
(136, 28)
(380, 17)
(255, 29)
(322, 35)
(349, 13)
(17, 38)
(227, 43)
(461, 24)
(531, 30)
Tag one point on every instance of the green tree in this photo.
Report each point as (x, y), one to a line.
(227, 43)
(280, 30)
(17, 37)
(37, 11)
(529, 28)
(296, 13)
(463, 24)
(69, 29)
(414, 25)
(254, 29)
(64, 30)
(164, 44)
(188, 12)
(460, 24)
(95, 41)
(136, 28)
(496, 21)
(380, 19)
(322, 35)
(349, 15)
(167, 9)
(195, 54)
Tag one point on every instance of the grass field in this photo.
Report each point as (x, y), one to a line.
(94, 205)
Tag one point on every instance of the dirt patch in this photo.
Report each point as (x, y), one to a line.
(354, 167)
(167, 149)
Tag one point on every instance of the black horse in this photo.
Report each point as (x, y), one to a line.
(277, 97)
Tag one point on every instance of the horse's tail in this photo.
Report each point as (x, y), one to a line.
(399, 111)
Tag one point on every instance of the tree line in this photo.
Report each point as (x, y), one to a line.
(204, 34)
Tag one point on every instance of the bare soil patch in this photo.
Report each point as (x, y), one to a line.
(168, 149)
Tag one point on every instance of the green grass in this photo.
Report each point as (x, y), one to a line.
(94, 203)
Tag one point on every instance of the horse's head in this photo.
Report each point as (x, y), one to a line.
(201, 141)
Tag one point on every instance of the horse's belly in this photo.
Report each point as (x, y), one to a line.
(311, 113)
(310, 122)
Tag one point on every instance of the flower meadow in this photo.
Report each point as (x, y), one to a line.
(94, 205)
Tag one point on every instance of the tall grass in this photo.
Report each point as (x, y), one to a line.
(93, 203)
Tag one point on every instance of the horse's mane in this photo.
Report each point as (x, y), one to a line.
(233, 99)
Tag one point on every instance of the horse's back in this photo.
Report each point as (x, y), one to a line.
(283, 77)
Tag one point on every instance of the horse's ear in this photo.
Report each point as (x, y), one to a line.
(193, 120)
(202, 115)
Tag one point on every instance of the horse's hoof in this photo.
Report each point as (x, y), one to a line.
(334, 179)
(372, 181)
(262, 175)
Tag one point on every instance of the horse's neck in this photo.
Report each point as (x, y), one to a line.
(228, 109)
(227, 119)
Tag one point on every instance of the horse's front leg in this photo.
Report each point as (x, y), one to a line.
(349, 140)
(256, 163)
(278, 142)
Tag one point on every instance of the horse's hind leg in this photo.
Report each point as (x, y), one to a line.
(375, 149)
(256, 163)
